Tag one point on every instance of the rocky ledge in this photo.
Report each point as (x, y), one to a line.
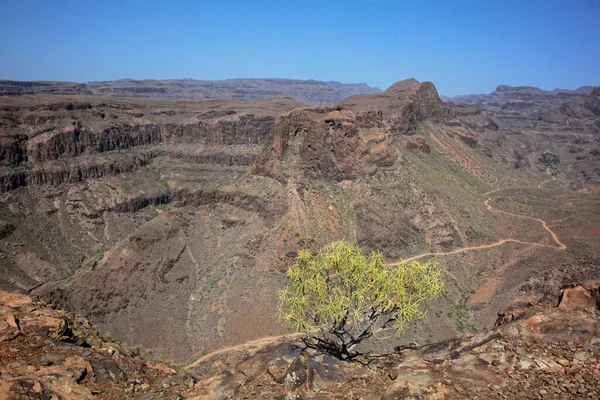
(544, 348)
(540, 348)
(50, 354)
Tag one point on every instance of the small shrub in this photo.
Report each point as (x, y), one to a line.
(340, 296)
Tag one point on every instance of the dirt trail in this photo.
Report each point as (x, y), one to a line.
(558, 246)
(561, 245)
(256, 342)
(491, 191)
(547, 180)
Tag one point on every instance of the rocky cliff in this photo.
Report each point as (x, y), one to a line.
(584, 108)
(540, 347)
(329, 143)
(353, 139)
(35, 138)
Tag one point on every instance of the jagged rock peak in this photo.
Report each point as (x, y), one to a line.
(408, 88)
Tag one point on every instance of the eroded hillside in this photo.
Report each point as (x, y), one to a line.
(534, 130)
(171, 223)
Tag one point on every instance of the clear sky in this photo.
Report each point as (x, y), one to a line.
(462, 46)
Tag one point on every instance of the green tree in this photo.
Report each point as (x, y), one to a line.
(340, 296)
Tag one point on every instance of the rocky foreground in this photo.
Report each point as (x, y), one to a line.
(540, 348)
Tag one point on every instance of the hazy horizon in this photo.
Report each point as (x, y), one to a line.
(462, 47)
(285, 78)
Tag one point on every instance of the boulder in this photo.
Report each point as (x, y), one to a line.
(14, 300)
(296, 377)
(229, 386)
(577, 298)
(106, 370)
(43, 325)
(322, 375)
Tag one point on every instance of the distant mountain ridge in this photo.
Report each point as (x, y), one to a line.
(310, 92)
(17, 88)
(541, 99)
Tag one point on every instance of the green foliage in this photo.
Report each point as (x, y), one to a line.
(341, 296)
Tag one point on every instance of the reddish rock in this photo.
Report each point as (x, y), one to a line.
(276, 372)
(7, 332)
(557, 317)
(43, 325)
(577, 298)
(11, 320)
(14, 300)
(563, 362)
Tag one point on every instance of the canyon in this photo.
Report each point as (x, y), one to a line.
(170, 223)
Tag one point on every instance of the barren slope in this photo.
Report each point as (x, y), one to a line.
(171, 223)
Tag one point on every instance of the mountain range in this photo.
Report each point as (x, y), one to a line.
(310, 92)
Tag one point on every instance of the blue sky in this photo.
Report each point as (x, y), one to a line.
(461, 46)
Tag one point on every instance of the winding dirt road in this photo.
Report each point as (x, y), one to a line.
(557, 246)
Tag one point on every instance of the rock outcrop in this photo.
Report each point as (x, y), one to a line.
(539, 348)
(544, 348)
(330, 143)
(75, 141)
(352, 139)
(47, 353)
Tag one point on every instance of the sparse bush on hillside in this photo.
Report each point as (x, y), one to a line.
(340, 296)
